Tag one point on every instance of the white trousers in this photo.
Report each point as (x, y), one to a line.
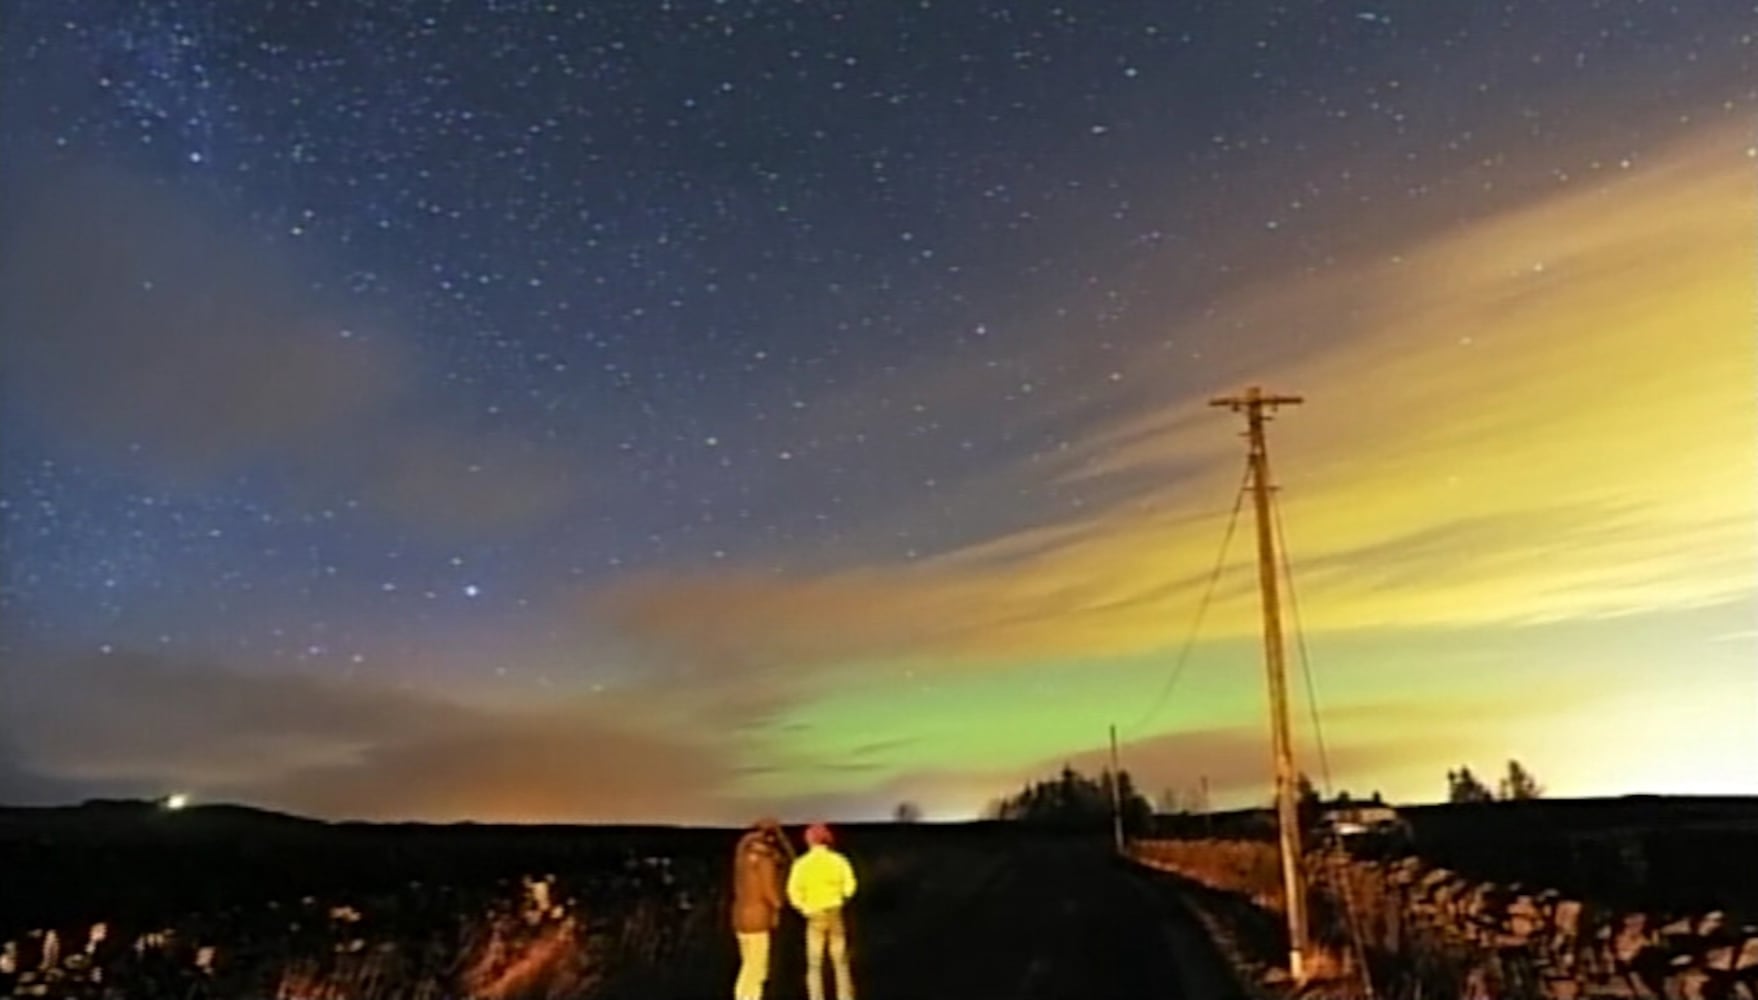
(753, 966)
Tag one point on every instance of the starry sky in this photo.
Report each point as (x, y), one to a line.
(679, 409)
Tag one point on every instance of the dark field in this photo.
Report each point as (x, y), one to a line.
(300, 910)
(1666, 854)
(970, 911)
(1659, 854)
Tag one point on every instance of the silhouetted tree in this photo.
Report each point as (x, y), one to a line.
(1169, 801)
(1519, 784)
(1463, 786)
(1137, 812)
(1306, 801)
(1304, 790)
(907, 812)
(1074, 801)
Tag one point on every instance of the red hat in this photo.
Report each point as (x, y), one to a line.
(818, 833)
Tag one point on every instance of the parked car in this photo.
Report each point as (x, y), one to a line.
(1366, 820)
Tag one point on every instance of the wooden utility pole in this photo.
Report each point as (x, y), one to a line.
(1254, 404)
(1116, 794)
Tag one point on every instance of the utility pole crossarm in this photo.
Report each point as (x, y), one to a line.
(1254, 398)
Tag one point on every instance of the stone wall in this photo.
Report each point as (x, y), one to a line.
(538, 936)
(1493, 940)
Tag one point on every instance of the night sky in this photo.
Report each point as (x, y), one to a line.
(676, 410)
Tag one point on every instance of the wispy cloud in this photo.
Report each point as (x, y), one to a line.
(350, 749)
(1541, 415)
(138, 326)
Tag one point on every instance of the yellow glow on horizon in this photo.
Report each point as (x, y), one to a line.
(1697, 740)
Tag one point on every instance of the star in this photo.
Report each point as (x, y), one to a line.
(428, 343)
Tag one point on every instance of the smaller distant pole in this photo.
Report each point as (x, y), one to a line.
(1116, 794)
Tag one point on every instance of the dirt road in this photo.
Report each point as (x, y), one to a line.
(1019, 919)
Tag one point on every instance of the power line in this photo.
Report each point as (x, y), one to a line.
(1202, 606)
(1318, 732)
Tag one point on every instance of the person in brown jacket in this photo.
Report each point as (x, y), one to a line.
(760, 862)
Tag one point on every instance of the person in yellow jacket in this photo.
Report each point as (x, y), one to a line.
(819, 883)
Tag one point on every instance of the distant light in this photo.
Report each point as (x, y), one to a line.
(176, 801)
(471, 590)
